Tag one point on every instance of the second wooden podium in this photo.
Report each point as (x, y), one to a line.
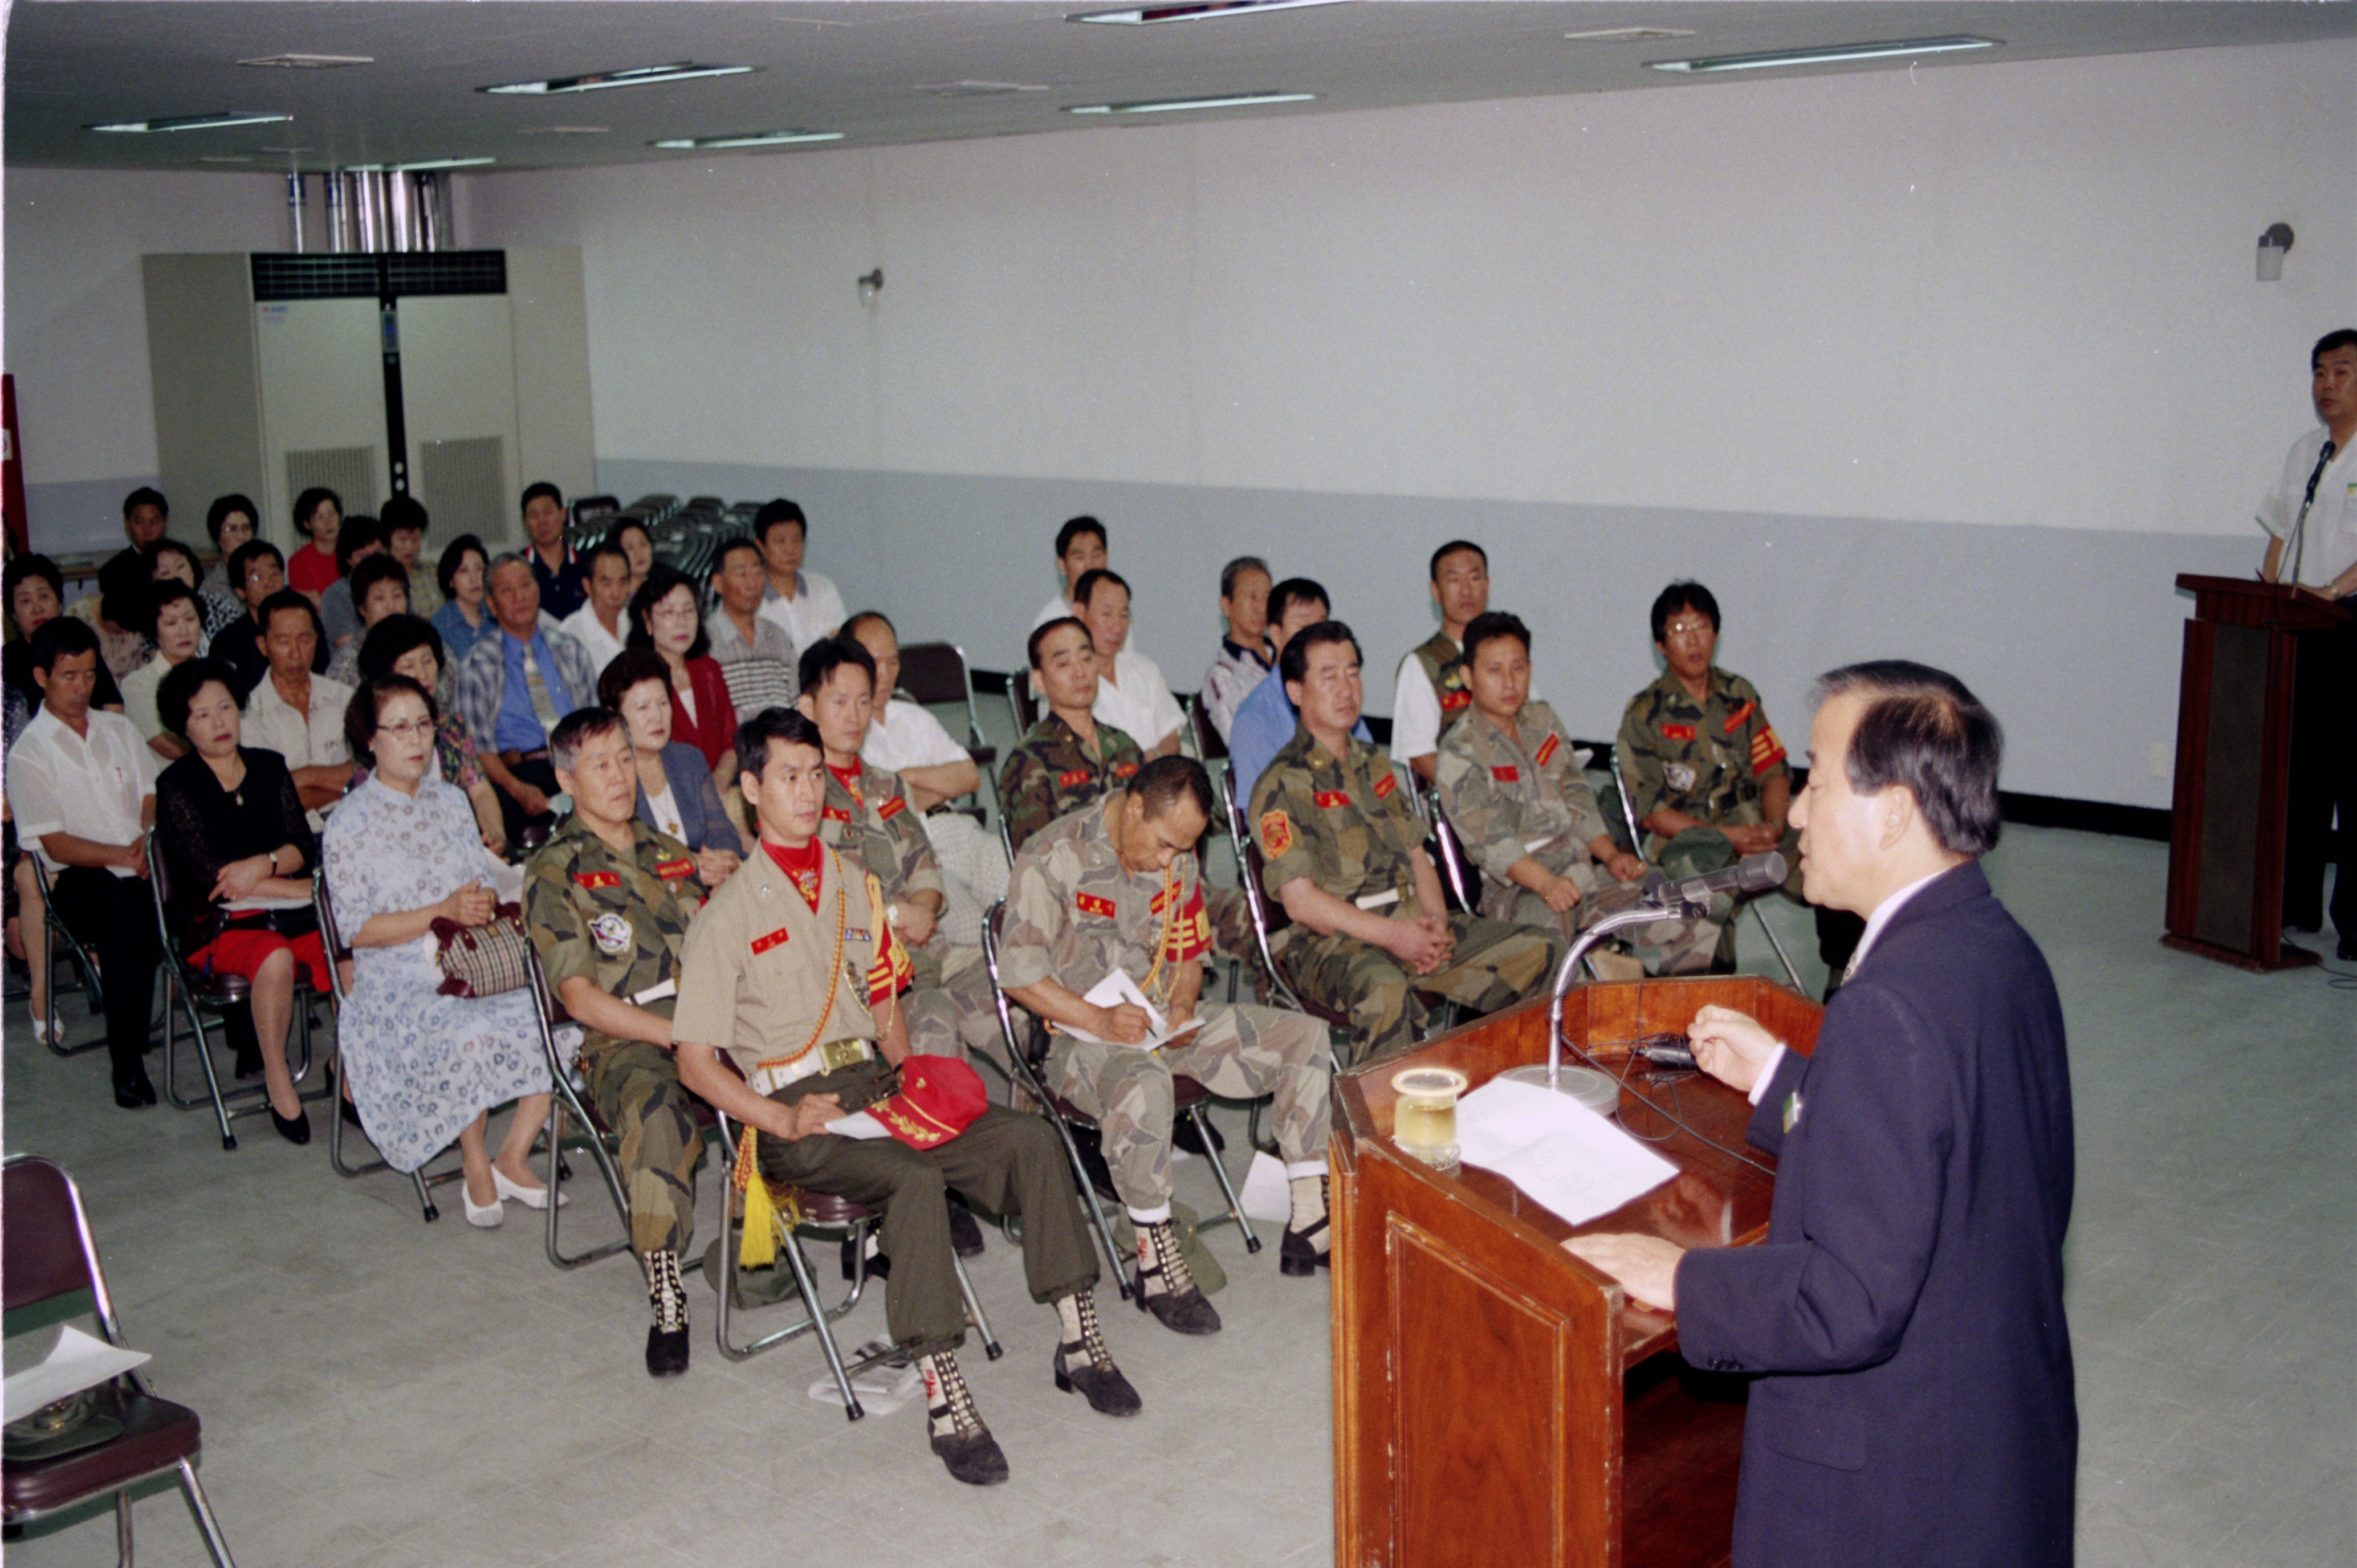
(1496, 1399)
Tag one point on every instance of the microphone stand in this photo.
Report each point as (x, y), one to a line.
(1644, 912)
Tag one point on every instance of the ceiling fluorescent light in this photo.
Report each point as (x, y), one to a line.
(1630, 34)
(194, 121)
(1171, 105)
(1205, 10)
(1830, 54)
(630, 76)
(750, 139)
(309, 62)
(432, 164)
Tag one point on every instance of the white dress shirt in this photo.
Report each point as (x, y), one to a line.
(2329, 538)
(93, 785)
(1138, 701)
(814, 611)
(312, 739)
(905, 736)
(584, 628)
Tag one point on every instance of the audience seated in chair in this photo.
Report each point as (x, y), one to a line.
(664, 617)
(405, 645)
(523, 676)
(1246, 655)
(676, 787)
(1131, 692)
(752, 650)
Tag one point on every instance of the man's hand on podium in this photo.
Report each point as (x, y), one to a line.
(1731, 1046)
(1645, 1266)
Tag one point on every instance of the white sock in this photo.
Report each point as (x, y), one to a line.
(1308, 1193)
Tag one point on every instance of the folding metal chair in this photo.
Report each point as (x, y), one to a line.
(1189, 1097)
(1024, 701)
(1209, 746)
(63, 943)
(1266, 922)
(936, 673)
(829, 1217)
(1458, 871)
(1637, 839)
(594, 1135)
(51, 1254)
(331, 940)
(206, 992)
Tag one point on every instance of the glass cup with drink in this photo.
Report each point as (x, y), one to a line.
(1424, 1121)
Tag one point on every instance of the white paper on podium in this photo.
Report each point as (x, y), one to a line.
(79, 1361)
(1566, 1157)
(1113, 990)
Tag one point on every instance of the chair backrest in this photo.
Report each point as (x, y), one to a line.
(1464, 878)
(47, 1246)
(1018, 1051)
(159, 881)
(1208, 744)
(330, 938)
(1026, 703)
(1627, 815)
(936, 672)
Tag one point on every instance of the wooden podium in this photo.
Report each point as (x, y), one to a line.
(2233, 754)
(1496, 1399)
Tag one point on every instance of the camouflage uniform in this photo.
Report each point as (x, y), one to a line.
(1523, 793)
(1347, 825)
(1074, 915)
(620, 922)
(1050, 774)
(1709, 761)
(787, 993)
(1443, 666)
(950, 1013)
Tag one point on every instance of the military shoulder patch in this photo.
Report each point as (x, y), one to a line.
(1735, 720)
(1276, 834)
(1385, 785)
(1090, 904)
(1548, 748)
(1507, 775)
(776, 939)
(595, 879)
(611, 932)
(1333, 799)
(1072, 778)
(891, 808)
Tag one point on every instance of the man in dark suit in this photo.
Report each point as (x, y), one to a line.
(1913, 1398)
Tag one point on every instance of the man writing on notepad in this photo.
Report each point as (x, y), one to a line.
(1115, 888)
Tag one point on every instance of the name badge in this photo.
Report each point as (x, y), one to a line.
(1330, 800)
(1452, 700)
(891, 808)
(1073, 779)
(672, 870)
(776, 939)
(1089, 904)
(1507, 775)
(835, 814)
(595, 879)
(1677, 732)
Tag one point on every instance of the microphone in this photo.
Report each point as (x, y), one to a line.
(1753, 873)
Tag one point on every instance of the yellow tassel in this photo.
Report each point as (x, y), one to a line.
(758, 1247)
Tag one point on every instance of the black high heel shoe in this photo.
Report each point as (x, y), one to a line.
(295, 1129)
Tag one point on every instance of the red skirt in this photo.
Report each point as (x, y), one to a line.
(243, 951)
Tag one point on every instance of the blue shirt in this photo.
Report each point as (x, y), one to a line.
(1265, 721)
(519, 729)
(459, 639)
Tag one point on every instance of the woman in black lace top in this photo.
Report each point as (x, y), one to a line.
(240, 857)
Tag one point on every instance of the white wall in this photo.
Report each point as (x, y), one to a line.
(77, 328)
(1963, 364)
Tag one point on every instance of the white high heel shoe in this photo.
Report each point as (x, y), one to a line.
(488, 1216)
(529, 1197)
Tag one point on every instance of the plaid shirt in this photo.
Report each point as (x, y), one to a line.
(482, 681)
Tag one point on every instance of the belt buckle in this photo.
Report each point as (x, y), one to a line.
(836, 1054)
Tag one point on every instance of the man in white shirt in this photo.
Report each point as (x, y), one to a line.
(598, 625)
(752, 650)
(2310, 517)
(81, 786)
(803, 604)
(1246, 655)
(296, 713)
(1132, 695)
(903, 738)
(1079, 550)
(1430, 693)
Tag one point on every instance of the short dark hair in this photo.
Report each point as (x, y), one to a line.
(359, 532)
(226, 507)
(662, 580)
(1073, 528)
(576, 729)
(1292, 664)
(1923, 729)
(246, 554)
(171, 591)
(367, 575)
(399, 513)
(829, 654)
(606, 546)
(368, 702)
(1294, 591)
(40, 566)
(2338, 338)
(537, 489)
(60, 636)
(729, 547)
(146, 495)
(289, 599)
(393, 638)
(1161, 782)
(754, 736)
(122, 584)
(1682, 595)
(1453, 547)
(311, 501)
(196, 567)
(180, 684)
(1494, 623)
(627, 669)
(850, 627)
(775, 512)
(1085, 589)
(1040, 633)
(454, 555)
(1237, 568)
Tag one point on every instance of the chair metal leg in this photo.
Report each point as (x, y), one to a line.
(205, 1520)
(798, 1261)
(816, 1316)
(991, 1349)
(213, 1095)
(1219, 1173)
(424, 1198)
(335, 1126)
(561, 1105)
(1761, 915)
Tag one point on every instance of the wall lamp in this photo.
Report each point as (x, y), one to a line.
(2273, 246)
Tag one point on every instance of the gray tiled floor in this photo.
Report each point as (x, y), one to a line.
(380, 1392)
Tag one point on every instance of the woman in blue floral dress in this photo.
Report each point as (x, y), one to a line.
(400, 852)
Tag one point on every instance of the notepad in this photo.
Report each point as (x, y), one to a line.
(1117, 988)
(1565, 1157)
